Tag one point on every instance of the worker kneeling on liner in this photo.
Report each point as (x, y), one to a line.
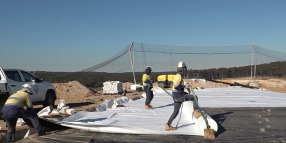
(14, 109)
(179, 96)
(147, 85)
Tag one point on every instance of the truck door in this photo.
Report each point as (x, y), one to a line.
(38, 87)
(3, 82)
(14, 80)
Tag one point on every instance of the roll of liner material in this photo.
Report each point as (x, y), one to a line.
(187, 111)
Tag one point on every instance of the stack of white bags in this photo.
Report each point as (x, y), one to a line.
(61, 109)
(112, 87)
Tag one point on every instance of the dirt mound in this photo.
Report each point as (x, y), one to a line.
(71, 89)
(204, 83)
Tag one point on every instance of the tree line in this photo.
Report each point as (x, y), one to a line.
(96, 79)
(274, 69)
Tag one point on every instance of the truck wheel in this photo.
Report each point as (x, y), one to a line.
(50, 99)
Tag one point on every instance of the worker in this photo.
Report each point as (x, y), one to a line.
(14, 109)
(147, 85)
(179, 96)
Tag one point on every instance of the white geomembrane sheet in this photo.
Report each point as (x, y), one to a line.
(134, 119)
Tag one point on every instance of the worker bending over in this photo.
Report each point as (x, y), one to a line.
(14, 109)
(147, 85)
(179, 96)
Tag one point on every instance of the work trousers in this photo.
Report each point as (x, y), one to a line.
(149, 96)
(29, 117)
(177, 106)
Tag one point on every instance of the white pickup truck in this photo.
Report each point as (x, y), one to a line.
(11, 80)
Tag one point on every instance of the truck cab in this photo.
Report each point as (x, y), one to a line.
(11, 81)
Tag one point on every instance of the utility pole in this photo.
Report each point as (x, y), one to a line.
(132, 61)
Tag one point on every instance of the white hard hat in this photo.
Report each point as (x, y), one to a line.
(27, 85)
(28, 88)
(181, 64)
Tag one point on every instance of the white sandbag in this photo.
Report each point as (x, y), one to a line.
(105, 105)
(55, 112)
(44, 112)
(63, 110)
(61, 104)
(101, 107)
(20, 122)
(70, 111)
(114, 104)
(111, 104)
(120, 101)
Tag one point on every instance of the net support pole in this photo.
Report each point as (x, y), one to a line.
(254, 74)
(251, 64)
(131, 60)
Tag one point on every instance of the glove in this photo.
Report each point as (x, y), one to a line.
(187, 86)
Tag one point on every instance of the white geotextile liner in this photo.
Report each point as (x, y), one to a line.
(135, 119)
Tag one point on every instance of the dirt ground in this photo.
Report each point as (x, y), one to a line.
(78, 97)
(81, 98)
(267, 83)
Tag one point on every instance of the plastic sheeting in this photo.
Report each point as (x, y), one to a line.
(134, 119)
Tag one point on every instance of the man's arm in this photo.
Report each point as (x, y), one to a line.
(29, 104)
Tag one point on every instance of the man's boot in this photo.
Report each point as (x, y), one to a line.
(148, 107)
(168, 127)
(198, 114)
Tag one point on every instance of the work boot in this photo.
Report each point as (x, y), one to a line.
(40, 134)
(198, 114)
(148, 107)
(168, 127)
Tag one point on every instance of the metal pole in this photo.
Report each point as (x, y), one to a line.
(143, 54)
(251, 62)
(132, 61)
(172, 60)
(255, 61)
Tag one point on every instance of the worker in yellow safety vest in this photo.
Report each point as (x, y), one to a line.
(147, 86)
(14, 109)
(179, 96)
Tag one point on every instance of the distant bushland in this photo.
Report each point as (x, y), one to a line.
(96, 79)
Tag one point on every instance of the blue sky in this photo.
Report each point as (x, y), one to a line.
(70, 35)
